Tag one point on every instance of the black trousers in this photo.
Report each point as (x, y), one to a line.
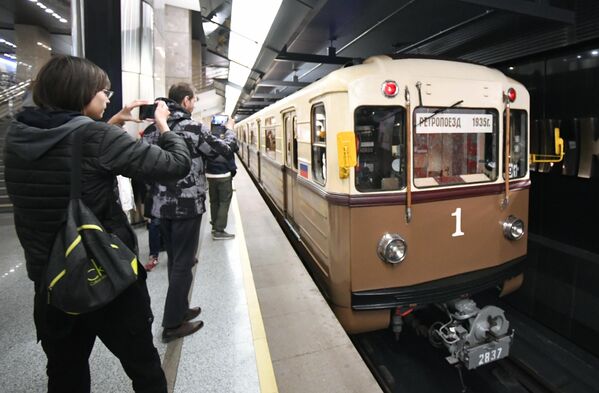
(124, 326)
(181, 240)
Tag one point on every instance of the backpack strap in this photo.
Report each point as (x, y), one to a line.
(76, 153)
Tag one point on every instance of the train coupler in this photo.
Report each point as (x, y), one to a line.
(473, 336)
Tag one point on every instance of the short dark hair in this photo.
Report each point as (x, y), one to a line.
(68, 83)
(179, 91)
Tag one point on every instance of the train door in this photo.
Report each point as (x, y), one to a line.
(290, 141)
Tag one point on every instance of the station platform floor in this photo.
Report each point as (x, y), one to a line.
(266, 326)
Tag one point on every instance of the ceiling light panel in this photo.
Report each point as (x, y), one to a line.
(49, 11)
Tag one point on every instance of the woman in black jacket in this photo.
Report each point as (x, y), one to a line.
(69, 91)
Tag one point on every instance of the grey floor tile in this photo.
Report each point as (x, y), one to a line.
(288, 299)
(279, 274)
(338, 370)
(230, 369)
(304, 332)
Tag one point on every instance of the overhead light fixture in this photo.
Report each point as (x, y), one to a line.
(8, 43)
(44, 45)
(245, 42)
(49, 10)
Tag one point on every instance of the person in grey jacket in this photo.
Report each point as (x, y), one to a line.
(72, 93)
(179, 206)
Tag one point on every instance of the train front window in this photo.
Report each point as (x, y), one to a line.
(518, 143)
(380, 137)
(455, 146)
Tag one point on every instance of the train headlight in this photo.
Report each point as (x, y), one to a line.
(392, 248)
(513, 228)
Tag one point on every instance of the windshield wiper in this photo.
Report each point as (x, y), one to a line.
(440, 110)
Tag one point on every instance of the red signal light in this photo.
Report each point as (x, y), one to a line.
(390, 89)
(511, 94)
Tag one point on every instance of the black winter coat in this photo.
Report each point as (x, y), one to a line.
(37, 175)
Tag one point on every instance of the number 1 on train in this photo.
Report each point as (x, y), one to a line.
(458, 222)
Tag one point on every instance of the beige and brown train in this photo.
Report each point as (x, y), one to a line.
(407, 181)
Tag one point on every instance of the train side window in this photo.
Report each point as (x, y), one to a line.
(319, 147)
(518, 143)
(270, 144)
(294, 147)
(253, 133)
(380, 137)
(455, 146)
(287, 122)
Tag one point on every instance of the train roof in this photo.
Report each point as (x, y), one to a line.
(408, 69)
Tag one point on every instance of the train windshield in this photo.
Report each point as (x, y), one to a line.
(380, 137)
(454, 146)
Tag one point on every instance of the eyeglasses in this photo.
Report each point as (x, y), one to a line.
(108, 93)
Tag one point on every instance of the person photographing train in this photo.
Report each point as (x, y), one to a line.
(180, 206)
(72, 94)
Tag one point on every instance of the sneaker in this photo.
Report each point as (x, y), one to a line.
(185, 329)
(192, 313)
(152, 262)
(222, 235)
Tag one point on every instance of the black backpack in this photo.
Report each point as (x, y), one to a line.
(88, 266)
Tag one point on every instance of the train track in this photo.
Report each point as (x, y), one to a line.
(540, 362)
(412, 365)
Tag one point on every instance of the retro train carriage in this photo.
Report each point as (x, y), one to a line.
(408, 218)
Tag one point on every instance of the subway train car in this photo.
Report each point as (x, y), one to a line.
(407, 182)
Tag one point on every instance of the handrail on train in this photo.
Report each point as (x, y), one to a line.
(559, 150)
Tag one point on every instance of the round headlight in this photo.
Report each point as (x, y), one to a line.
(513, 228)
(392, 248)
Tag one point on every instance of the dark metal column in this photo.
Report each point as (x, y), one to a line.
(102, 23)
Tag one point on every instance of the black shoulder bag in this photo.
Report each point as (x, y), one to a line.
(88, 267)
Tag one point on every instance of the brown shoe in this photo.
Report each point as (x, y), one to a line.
(185, 329)
(192, 313)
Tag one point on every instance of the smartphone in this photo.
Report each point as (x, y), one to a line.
(147, 111)
(219, 120)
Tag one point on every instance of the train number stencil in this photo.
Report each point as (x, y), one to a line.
(458, 222)
(489, 356)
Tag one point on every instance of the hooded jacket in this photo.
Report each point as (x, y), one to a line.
(184, 198)
(37, 175)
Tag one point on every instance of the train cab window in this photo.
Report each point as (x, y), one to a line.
(518, 146)
(270, 145)
(380, 138)
(454, 146)
(319, 147)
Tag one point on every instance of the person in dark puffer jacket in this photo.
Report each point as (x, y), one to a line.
(72, 92)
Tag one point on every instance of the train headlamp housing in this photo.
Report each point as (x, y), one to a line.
(392, 248)
(390, 89)
(511, 94)
(513, 228)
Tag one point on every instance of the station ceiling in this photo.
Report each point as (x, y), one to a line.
(311, 38)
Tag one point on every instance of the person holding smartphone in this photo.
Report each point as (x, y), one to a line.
(180, 206)
(220, 170)
(67, 90)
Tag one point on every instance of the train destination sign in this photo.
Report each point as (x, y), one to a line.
(451, 123)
